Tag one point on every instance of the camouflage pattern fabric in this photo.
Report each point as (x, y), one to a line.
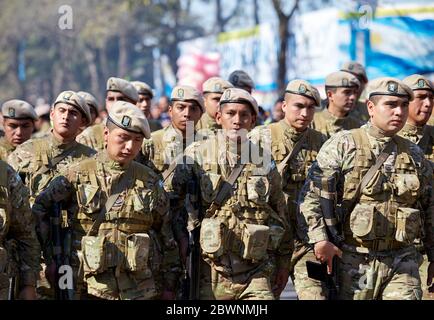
(93, 137)
(328, 124)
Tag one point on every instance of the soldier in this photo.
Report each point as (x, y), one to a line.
(294, 147)
(418, 132)
(19, 122)
(118, 211)
(145, 102)
(360, 111)
(117, 90)
(240, 79)
(369, 194)
(92, 104)
(212, 90)
(42, 125)
(244, 234)
(17, 224)
(341, 89)
(38, 160)
(165, 145)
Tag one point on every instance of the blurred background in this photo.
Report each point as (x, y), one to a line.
(47, 46)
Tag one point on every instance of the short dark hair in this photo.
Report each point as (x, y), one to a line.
(375, 99)
(332, 89)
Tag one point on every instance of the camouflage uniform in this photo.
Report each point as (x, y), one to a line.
(256, 201)
(328, 124)
(33, 155)
(93, 137)
(207, 125)
(5, 149)
(83, 189)
(379, 258)
(283, 139)
(422, 136)
(16, 223)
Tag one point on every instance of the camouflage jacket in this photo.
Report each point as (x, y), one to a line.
(422, 136)
(395, 206)
(328, 124)
(17, 224)
(207, 126)
(5, 149)
(281, 137)
(256, 198)
(93, 137)
(83, 190)
(33, 156)
(360, 111)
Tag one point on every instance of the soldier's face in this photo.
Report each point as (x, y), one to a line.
(212, 103)
(122, 146)
(144, 104)
(18, 131)
(67, 120)
(343, 98)
(183, 111)
(236, 119)
(113, 96)
(299, 111)
(420, 108)
(389, 113)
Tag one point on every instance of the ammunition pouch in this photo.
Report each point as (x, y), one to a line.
(212, 234)
(255, 241)
(94, 252)
(408, 225)
(137, 247)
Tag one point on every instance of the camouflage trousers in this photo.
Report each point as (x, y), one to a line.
(305, 287)
(423, 276)
(257, 287)
(392, 276)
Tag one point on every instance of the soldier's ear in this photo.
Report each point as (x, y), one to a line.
(370, 106)
(218, 116)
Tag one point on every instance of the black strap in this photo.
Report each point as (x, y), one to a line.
(55, 161)
(122, 185)
(294, 151)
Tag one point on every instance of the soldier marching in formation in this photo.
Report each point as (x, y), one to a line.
(339, 199)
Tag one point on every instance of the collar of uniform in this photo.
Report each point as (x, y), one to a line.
(59, 145)
(293, 134)
(376, 132)
(334, 119)
(112, 164)
(413, 130)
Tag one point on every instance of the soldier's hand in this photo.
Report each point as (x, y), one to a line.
(282, 276)
(28, 293)
(50, 274)
(430, 276)
(325, 251)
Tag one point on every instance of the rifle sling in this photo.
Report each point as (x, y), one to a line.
(54, 162)
(294, 151)
(171, 168)
(121, 186)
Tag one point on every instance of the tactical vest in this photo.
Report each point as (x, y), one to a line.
(296, 172)
(245, 225)
(132, 218)
(386, 209)
(93, 137)
(324, 125)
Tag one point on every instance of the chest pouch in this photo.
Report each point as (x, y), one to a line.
(255, 241)
(94, 254)
(211, 237)
(137, 248)
(408, 225)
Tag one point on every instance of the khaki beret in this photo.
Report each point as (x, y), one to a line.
(240, 79)
(18, 109)
(387, 86)
(304, 88)
(123, 86)
(236, 95)
(356, 69)
(127, 116)
(341, 79)
(89, 99)
(418, 82)
(73, 99)
(216, 85)
(187, 93)
(143, 88)
(42, 109)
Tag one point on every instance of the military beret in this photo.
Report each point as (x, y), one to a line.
(42, 109)
(304, 88)
(73, 99)
(418, 82)
(341, 79)
(127, 116)
(356, 69)
(18, 109)
(89, 99)
(187, 93)
(240, 79)
(236, 95)
(143, 88)
(387, 86)
(216, 85)
(123, 86)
